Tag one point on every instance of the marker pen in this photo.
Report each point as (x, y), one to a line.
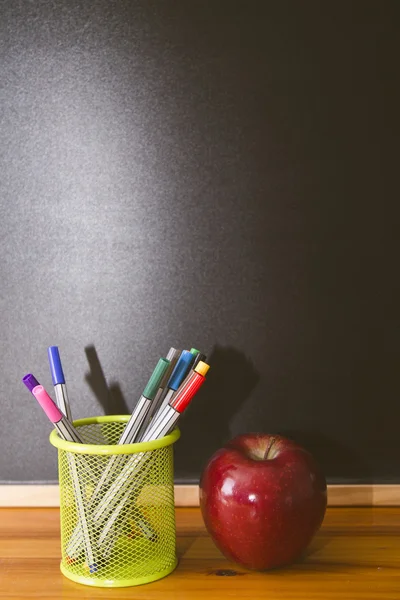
(166, 419)
(198, 357)
(141, 464)
(114, 462)
(172, 356)
(67, 431)
(178, 375)
(144, 403)
(137, 464)
(57, 375)
(64, 427)
(132, 427)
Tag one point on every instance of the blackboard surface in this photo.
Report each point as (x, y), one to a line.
(221, 175)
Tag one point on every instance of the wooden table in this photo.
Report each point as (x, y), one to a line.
(356, 556)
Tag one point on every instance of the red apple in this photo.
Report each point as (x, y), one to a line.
(262, 498)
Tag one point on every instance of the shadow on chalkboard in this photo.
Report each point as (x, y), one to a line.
(334, 458)
(109, 397)
(205, 426)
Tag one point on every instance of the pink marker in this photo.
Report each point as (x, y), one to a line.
(67, 431)
(64, 427)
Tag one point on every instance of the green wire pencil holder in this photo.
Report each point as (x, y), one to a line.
(116, 505)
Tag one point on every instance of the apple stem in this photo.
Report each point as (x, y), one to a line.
(273, 440)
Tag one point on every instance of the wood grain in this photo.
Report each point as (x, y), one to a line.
(356, 555)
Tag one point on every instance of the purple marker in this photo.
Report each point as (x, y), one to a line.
(30, 381)
(64, 427)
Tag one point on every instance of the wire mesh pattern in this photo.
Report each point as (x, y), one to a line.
(135, 543)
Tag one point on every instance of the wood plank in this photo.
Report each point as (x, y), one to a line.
(188, 495)
(356, 555)
(364, 495)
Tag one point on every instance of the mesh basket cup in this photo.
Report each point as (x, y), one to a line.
(135, 543)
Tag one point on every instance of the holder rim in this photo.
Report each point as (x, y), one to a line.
(105, 450)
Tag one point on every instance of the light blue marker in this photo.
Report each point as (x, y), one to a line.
(179, 373)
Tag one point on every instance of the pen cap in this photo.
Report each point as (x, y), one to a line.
(56, 371)
(192, 385)
(181, 368)
(194, 351)
(199, 357)
(30, 381)
(202, 368)
(154, 382)
(49, 407)
(172, 356)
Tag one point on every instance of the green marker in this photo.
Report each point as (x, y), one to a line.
(142, 407)
(134, 423)
(131, 430)
(172, 357)
(128, 437)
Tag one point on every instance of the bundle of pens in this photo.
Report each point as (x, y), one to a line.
(106, 481)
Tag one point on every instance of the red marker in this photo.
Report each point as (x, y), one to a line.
(165, 421)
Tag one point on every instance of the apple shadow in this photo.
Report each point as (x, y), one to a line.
(109, 397)
(318, 543)
(340, 461)
(183, 545)
(205, 425)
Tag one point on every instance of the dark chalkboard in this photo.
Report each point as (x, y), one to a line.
(221, 175)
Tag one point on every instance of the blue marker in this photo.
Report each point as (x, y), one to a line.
(58, 378)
